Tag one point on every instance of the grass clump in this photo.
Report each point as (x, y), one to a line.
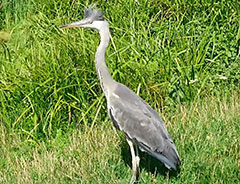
(48, 77)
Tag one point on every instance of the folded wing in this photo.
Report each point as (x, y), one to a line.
(142, 125)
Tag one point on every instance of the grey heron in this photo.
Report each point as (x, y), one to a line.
(142, 126)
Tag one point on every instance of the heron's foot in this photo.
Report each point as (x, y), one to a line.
(133, 179)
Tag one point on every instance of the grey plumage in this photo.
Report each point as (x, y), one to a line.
(130, 113)
(143, 125)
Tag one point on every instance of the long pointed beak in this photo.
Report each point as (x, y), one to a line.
(80, 23)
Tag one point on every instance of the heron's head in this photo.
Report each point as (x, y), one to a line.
(92, 19)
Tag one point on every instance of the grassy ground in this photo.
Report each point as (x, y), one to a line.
(206, 134)
(53, 123)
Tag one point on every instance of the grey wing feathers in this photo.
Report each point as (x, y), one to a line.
(142, 124)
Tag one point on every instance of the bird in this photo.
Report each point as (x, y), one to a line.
(139, 122)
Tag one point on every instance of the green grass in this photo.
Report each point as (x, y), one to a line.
(206, 134)
(184, 55)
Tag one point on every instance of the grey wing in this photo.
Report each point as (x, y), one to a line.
(142, 124)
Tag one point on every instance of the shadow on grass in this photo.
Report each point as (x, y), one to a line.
(147, 162)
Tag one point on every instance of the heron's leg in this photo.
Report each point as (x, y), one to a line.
(135, 162)
(137, 159)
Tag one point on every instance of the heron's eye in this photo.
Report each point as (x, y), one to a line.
(100, 17)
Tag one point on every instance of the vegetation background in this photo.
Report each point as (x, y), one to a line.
(184, 57)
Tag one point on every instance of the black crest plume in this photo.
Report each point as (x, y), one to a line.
(93, 14)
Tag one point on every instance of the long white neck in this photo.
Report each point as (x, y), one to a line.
(104, 76)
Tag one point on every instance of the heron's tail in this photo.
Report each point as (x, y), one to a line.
(169, 156)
